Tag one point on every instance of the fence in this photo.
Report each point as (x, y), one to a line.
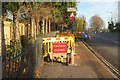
(27, 63)
(10, 60)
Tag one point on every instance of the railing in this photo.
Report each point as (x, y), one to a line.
(24, 64)
(12, 63)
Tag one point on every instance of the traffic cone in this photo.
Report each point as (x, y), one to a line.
(72, 56)
(89, 38)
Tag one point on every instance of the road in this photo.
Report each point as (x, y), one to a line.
(106, 44)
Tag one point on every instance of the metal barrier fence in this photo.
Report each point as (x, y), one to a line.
(24, 64)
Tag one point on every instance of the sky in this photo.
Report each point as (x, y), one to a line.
(105, 10)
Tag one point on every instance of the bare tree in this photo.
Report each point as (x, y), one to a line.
(96, 22)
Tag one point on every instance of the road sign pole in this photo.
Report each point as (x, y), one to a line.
(72, 27)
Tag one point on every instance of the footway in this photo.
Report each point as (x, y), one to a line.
(86, 66)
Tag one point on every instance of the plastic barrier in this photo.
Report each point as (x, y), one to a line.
(55, 47)
(66, 32)
(78, 34)
(67, 35)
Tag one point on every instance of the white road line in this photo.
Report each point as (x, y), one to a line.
(108, 39)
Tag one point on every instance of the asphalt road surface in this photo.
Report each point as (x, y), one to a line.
(106, 44)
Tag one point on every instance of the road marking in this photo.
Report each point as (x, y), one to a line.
(108, 39)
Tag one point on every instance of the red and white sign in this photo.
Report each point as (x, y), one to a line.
(59, 47)
(72, 17)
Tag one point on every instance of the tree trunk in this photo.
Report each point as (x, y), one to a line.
(16, 30)
(35, 31)
(54, 26)
(28, 31)
(37, 27)
(22, 32)
(15, 27)
(32, 27)
(49, 25)
(43, 25)
(46, 26)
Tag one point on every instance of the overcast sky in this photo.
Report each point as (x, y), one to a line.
(103, 8)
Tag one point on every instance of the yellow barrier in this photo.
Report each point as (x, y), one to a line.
(47, 42)
(64, 35)
(67, 35)
(48, 45)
